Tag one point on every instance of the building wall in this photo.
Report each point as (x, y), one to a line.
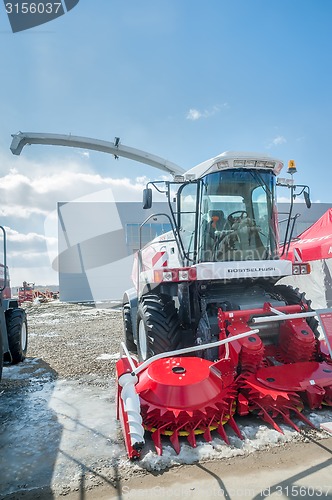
(306, 218)
(97, 241)
(96, 245)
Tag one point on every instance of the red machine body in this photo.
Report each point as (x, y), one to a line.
(188, 396)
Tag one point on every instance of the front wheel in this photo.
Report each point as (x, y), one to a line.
(17, 331)
(158, 326)
(128, 330)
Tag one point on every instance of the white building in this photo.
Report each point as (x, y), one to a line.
(97, 241)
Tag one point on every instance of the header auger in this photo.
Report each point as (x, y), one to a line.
(209, 332)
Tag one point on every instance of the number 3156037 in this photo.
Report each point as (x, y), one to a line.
(33, 8)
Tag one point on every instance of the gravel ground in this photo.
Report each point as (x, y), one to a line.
(71, 338)
(60, 404)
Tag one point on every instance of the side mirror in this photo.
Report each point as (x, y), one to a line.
(147, 198)
(307, 199)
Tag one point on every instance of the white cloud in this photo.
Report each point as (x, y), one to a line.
(194, 114)
(285, 199)
(29, 194)
(17, 237)
(277, 141)
(20, 211)
(24, 195)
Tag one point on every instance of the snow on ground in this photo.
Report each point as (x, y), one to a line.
(59, 414)
(105, 356)
(257, 436)
(78, 424)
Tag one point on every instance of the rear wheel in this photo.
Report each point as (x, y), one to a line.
(17, 331)
(158, 326)
(128, 329)
(292, 296)
(1, 355)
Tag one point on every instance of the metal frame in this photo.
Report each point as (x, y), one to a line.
(319, 313)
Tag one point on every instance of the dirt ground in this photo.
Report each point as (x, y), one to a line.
(60, 438)
(303, 470)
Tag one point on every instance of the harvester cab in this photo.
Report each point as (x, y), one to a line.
(209, 332)
(226, 209)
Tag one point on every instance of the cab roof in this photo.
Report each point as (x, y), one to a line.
(235, 159)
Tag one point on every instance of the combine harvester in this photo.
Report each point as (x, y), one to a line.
(212, 333)
(209, 332)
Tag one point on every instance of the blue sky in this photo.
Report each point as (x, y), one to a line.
(182, 79)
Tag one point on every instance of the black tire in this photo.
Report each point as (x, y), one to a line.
(158, 326)
(1, 355)
(292, 296)
(128, 329)
(17, 331)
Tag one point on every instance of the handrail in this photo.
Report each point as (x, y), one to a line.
(187, 350)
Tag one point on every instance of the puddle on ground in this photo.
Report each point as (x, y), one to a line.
(54, 431)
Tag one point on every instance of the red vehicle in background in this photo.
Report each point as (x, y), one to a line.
(26, 293)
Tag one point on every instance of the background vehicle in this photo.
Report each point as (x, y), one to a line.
(13, 322)
(26, 292)
(208, 289)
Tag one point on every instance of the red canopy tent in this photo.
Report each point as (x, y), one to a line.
(315, 243)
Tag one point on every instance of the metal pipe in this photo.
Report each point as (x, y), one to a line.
(187, 350)
(248, 313)
(275, 311)
(130, 361)
(269, 319)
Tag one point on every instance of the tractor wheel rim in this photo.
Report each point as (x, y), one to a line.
(24, 337)
(142, 340)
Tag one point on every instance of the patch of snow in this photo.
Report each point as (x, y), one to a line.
(256, 437)
(320, 416)
(95, 311)
(49, 334)
(45, 315)
(105, 356)
(327, 426)
(21, 371)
